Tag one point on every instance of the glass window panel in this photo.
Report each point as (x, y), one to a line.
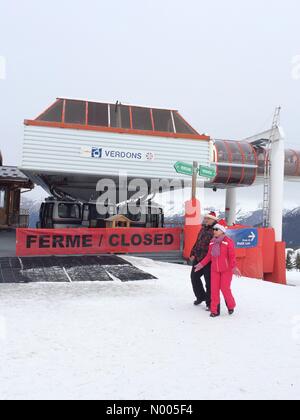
(49, 210)
(261, 155)
(222, 152)
(54, 114)
(119, 116)
(2, 198)
(249, 176)
(250, 156)
(163, 121)
(223, 174)
(236, 175)
(141, 118)
(98, 114)
(68, 211)
(181, 126)
(75, 112)
(236, 153)
(291, 163)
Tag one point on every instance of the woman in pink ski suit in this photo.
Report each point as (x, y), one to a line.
(222, 256)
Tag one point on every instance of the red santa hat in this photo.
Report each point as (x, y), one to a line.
(221, 225)
(211, 215)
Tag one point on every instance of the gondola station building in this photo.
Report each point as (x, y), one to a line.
(72, 145)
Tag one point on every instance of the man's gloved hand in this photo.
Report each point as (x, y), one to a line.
(198, 267)
(237, 272)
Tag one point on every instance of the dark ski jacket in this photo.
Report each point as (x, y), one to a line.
(201, 247)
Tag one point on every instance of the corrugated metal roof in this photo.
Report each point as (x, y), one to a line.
(54, 150)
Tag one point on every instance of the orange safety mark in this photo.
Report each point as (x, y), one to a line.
(150, 133)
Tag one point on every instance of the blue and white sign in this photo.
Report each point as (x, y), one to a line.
(116, 154)
(244, 238)
(96, 152)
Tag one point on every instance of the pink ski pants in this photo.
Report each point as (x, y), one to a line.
(221, 282)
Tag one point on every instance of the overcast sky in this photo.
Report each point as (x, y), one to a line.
(224, 65)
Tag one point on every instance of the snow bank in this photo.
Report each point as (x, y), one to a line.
(146, 340)
(293, 278)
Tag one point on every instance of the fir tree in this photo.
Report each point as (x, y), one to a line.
(289, 262)
(297, 264)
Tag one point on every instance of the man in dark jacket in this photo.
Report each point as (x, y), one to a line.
(199, 252)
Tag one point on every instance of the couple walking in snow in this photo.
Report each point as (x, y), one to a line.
(213, 258)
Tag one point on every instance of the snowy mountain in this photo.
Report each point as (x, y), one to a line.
(291, 219)
(291, 228)
(251, 218)
(34, 208)
(291, 222)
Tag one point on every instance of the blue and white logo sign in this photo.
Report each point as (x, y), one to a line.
(116, 154)
(96, 152)
(244, 238)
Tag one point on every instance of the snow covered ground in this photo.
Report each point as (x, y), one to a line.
(144, 340)
(293, 278)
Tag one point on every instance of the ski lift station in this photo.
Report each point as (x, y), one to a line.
(75, 143)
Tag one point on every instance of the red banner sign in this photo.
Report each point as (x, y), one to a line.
(96, 241)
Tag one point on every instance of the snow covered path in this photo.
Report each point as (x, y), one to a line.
(144, 340)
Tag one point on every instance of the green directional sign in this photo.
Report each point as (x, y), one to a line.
(207, 172)
(184, 168)
(187, 169)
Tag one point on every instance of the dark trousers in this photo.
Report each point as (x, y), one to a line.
(201, 294)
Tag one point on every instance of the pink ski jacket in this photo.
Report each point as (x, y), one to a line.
(227, 259)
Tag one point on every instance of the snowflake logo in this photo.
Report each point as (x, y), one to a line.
(150, 156)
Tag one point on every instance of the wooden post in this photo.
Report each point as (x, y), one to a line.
(192, 217)
(194, 181)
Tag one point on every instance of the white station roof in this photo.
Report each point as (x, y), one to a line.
(74, 144)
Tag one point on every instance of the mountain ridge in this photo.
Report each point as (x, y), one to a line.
(291, 219)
